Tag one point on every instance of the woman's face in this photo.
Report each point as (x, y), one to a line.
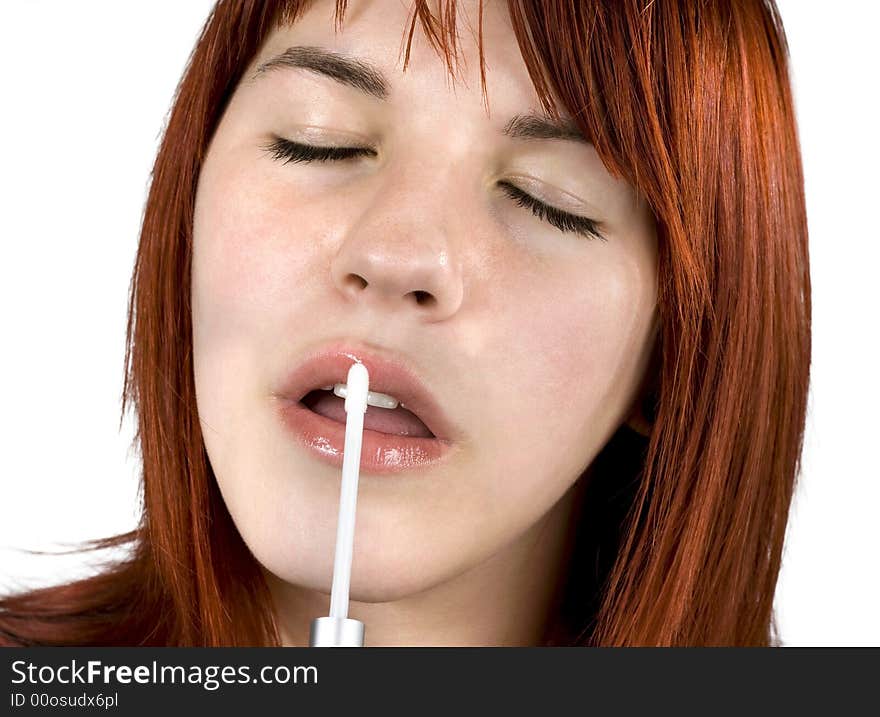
(535, 342)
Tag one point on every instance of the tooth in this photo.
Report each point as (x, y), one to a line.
(374, 398)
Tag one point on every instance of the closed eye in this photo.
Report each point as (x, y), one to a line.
(287, 151)
(563, 221)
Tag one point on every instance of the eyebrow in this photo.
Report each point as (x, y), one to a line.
(535, 126)
(345, 70)
(370, 80)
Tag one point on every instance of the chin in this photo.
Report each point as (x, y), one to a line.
(374, 578)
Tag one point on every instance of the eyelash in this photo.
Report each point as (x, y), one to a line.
(286, 151)
(563, 221)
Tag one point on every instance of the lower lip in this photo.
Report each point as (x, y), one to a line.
(380, 452)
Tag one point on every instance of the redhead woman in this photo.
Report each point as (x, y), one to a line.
(568, 239)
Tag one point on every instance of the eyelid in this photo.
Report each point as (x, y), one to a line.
(576, 203)
(335, 136)
(286, 150)
(282, 141)
(561, 219)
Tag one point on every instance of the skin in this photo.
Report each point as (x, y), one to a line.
(536, 343)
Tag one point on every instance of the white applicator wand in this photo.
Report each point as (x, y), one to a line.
(339, 630)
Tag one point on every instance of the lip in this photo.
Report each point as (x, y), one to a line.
(380, 452)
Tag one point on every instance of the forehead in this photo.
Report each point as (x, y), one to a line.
(378, 32)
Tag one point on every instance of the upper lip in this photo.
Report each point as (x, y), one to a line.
(387, 375)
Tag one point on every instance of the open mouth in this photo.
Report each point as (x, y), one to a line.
(397, 421)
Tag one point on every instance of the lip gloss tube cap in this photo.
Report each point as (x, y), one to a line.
(336, 632)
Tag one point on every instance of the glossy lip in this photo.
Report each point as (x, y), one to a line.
(380, 452)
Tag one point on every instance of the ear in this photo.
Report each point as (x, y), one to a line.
(638, 420)
(641, 417)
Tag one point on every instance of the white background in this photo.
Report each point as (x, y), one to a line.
(86, 91)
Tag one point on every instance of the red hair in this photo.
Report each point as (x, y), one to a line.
(681, 534)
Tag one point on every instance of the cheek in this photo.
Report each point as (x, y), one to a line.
(233, 267)
(579, 342)
(241, 278)
(255, 251)
(604, 324)
(566, 366)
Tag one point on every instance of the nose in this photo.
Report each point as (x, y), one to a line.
(398, 256)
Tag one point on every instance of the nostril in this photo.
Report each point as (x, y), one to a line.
(356, 281)
(423, 297)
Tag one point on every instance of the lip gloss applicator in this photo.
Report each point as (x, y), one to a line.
(337, 629)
